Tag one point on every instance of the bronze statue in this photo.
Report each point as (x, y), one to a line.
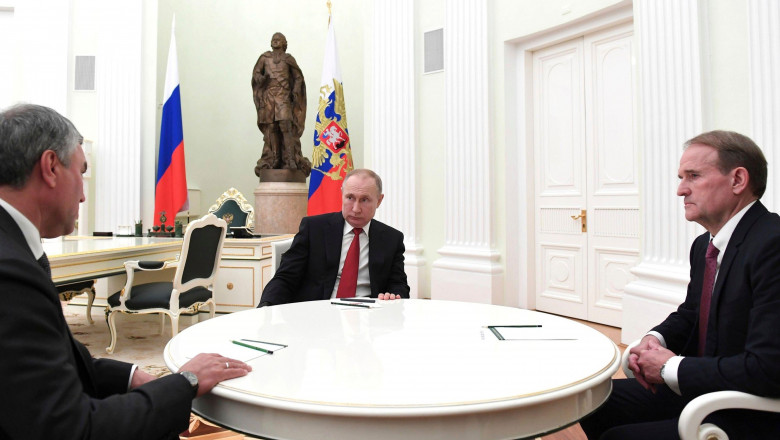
(280, 99)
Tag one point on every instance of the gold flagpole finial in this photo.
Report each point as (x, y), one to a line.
(329, 5)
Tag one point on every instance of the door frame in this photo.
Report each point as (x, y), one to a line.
(520, 260)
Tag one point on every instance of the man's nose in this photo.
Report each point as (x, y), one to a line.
(682, 189)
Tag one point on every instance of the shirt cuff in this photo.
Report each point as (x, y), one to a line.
(670, 373)
(130, 380)
(659, 336)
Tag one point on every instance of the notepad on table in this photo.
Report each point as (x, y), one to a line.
(530, 332)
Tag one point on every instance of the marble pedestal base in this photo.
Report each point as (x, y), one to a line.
(280, 206)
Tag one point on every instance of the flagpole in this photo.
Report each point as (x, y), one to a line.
(329, 5)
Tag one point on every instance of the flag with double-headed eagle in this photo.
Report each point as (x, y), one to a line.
(332, 154)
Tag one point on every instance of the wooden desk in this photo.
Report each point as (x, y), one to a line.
(413, 369)
(85, 258)
(244, 271)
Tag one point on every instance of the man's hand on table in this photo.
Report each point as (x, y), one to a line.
(386, 296)
(212, 368)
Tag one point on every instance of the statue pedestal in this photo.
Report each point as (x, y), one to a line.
(280, 201)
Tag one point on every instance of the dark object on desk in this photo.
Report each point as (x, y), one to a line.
(190, 288)
(232, 207)
(338, 303)
(102, 234)
(161, 230)
(264, 304)
(242, 232)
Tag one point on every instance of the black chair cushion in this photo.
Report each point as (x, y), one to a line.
(158, 296)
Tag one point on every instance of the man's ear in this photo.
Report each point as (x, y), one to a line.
(740, 180)
(379, 200)
(48, 167)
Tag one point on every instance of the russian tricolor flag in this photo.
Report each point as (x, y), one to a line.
(332, 153)
(171, 189)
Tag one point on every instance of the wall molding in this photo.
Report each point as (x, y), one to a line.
(468, 269)
(393, 136)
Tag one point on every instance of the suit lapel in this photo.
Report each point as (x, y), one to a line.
(732, 250)
(8, 224)
(84, 360)
(333, 235)
(376, 257)
(334, 230)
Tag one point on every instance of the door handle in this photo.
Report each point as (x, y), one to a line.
(584, 216)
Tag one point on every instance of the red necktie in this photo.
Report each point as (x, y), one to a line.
(710, 269)
(348, 283)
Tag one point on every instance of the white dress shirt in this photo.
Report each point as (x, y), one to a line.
(363, 278)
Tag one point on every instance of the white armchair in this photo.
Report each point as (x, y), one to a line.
(690, 425)
(277, 249)
(192, 284)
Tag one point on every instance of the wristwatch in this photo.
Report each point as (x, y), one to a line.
(663, 367)
(192, 378)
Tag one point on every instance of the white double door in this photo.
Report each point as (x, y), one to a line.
(586, 199)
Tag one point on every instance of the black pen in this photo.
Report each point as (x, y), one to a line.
(351, 305)
(517, 326)
(252, 347)
(263, 342)
(360, 300)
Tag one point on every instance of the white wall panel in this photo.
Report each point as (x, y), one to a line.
(393, 138)
(118, 147)
(468, 155)
(764, 52)
(669, 65)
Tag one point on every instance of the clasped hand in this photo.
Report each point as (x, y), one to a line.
(645, 361)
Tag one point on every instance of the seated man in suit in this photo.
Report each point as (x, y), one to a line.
(53, 387)
(372, 252)
(725, 335)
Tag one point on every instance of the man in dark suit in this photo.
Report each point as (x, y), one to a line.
(53, 387)
(726, 335)
(313, 267)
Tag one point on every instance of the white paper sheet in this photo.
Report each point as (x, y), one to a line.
(546, 333)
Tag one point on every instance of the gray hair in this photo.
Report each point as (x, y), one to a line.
(736, 150)
(366, 172)
(26, 131)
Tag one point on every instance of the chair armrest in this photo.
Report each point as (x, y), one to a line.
(624, 359)
(133, 265)
(151, 265)
(699, 408)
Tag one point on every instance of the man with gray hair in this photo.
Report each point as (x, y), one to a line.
(54, 388)
(725, 335)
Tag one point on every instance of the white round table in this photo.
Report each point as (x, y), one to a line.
(410, 369)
